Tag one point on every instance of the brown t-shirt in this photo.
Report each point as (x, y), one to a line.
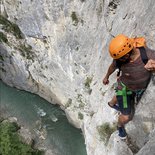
(134, 75)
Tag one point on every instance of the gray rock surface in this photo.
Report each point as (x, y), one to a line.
(116, 146)
(26, 135)
(149, 147)
(61, 54)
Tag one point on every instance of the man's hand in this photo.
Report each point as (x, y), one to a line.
(150, 66)
(105, 81)
(111, 69)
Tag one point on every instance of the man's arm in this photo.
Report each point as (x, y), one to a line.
(111, 69)
(150, 66)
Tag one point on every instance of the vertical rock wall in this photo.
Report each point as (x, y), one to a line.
(59, 50)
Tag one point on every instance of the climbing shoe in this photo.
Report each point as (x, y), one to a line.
(115, 106)
(122, 133)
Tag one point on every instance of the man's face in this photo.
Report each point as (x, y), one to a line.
(126, 57)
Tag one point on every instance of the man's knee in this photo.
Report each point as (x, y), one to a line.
(123, 119)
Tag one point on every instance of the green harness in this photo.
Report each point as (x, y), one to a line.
(124, 92)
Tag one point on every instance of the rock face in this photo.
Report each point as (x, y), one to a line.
(59, 50)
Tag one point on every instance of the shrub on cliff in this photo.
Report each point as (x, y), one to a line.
(105, 130)
(10, 142)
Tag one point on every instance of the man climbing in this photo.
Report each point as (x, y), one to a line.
(135, 62)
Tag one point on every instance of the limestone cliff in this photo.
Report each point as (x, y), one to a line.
(59, 50)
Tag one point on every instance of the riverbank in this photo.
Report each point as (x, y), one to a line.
(16, 140)
(47, 123)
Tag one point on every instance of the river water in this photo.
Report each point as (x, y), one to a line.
(38, 115)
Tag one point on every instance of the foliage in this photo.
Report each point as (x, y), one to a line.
(69, 102)
(79, 100)
(88, 82)
(75, 18)
(10, 143)
(3, 38)
(105, 131)
(113, 4)
(81, 105)
(10, 27)
(80, 116)
(26, 51)
(1, 58)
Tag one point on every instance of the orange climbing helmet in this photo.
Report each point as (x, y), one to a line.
(120, 46)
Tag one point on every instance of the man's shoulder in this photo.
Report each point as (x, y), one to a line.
(150, 53)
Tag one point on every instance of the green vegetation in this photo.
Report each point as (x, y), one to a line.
(10, 143)
(77, 48)
(88, 82)
(80, 116)
(69, 102)
(79, 100)
(10, 27)
(26, 51)
(105, 131)
(1, 67)
(1, 58)
(112, 5)
(3, 38)
(74, 19)
(81, 105)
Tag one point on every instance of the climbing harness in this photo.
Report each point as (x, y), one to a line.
(138, 95)
(122, 90)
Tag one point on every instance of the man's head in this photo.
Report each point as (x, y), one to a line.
(120, 47)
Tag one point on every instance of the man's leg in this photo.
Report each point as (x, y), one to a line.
(113, 103)
(127, 112)
(122, 120)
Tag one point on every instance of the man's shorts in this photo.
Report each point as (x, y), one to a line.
(125, 98)
(127, 109)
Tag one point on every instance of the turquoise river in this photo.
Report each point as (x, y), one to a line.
(40, 116)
